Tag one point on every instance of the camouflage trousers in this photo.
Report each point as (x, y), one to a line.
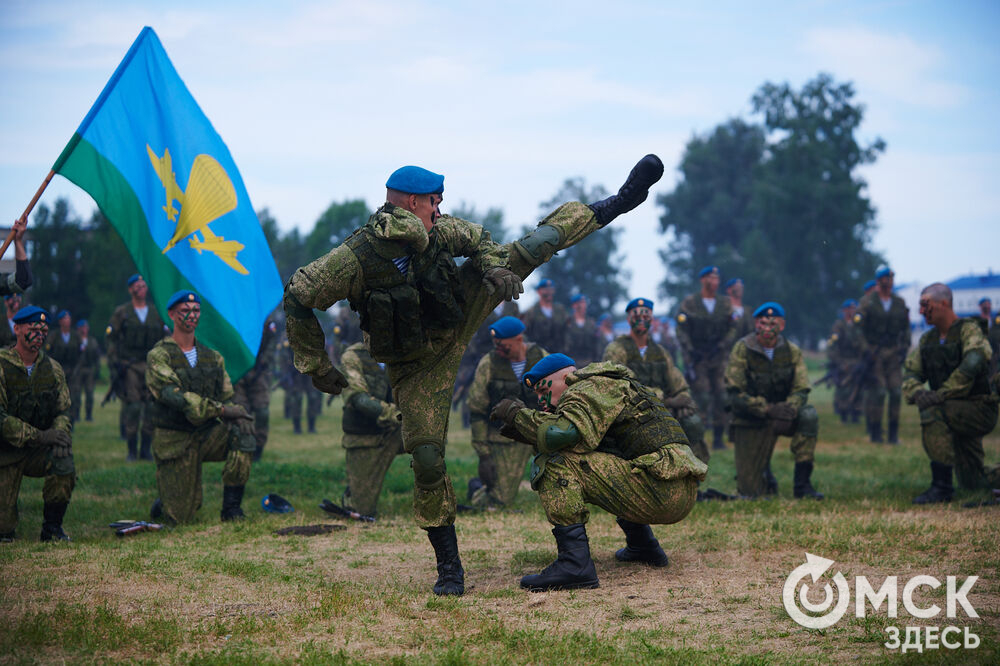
(423, 387)
(253, 392)
(658, 488)
(753, 447)
(84, 395)
(952, 434)
(885, 378)
(179, 456)
(846, 398)
(59, 474)
(314, 398)
(367, 460)
(709, 390)
(501, 468)
(694, 429)
(137, 405)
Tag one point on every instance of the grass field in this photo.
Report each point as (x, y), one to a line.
(237, 593)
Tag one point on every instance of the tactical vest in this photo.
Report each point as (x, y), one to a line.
(939, 360)
(643, 426)
(355, 421)
(206, 379)
(397, 310)
(547, 331)
(772, 379)
(881, 328)
(66, 353)
(32, 399)
(504, 383)
(652, 370)
(136, 338)
(706, 329)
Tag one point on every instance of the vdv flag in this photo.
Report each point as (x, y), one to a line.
(162, 176)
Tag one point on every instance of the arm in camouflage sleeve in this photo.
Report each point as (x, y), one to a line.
(737, 389)
(976, 354)
(19, 433)
(615, 353)
(684, 336)
(357, 393)
(467, 239)
(913, 375)
(799, 394)
(478, 397)
(591, 407)
(165, 386)
(318, 285)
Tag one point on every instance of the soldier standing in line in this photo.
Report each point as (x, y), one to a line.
(885, 323)
(706, 331)
(545, 321)
(195, 419)
(605, 331)
(36, 437)
(846, 346)
(741, 315)
(134, 330)
(581, 333)
(768, 388)
(498, 375)
(89, 370)
(63, 346)
(253, 390)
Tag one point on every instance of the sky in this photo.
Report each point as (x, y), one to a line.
(319, 102)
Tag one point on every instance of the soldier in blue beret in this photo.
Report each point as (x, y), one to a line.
(36, 440)
(89, 370)
(63, 345)
(867, 287)
(741, 314)
(846, 346)
(419, 310)
(545, 321)
(580, 336)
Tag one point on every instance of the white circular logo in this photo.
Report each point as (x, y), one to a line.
(815, 567)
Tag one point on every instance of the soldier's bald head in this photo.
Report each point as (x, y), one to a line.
(938, 292)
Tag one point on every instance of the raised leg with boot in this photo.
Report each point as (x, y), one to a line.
(573, 568)
(451, 575)
(635, 190)
(941, 489)
(640, 545)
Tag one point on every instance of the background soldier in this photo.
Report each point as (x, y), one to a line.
(545, 321)
(581, 333)
(768, 386)
(63, 345)
(606, 440)
(296, 386)
(953, 358)
(36, 439)
(253, 390)
(419, 310)
(846, 348)
(662, 336)
(498, 375)
(741, 315)
(134, 329)
(12, 303)
(706, 331)
(885, 323)
(195, 419)
(480, 345)
(605, 331)
(89, 370)
(372, 429)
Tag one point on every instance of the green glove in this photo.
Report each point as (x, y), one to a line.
(332, 382)
(505, 280)
(506, 410)
(52, 437)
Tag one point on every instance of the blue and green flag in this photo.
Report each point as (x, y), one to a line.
(162, 176)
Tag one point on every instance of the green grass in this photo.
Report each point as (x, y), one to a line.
(212, 593)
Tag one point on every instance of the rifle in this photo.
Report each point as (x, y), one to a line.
(831, 378)
(124, 528)
(117, 388)
(344, 512)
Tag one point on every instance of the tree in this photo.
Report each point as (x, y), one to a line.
(592, 266)
(492, 219)
(333, 227)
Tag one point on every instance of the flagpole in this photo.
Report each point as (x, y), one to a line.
(27, 211)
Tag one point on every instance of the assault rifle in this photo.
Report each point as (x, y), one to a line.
(831, 378)
(344, 512)
(117, 388)
(124, 528)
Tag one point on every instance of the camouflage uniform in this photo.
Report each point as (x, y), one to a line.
(501, 460)
(420, 335)
(632, 458)
(743, 322)
(67, 354)
(296, 386)
(957, 370)
(28, 405)
(7, 338)
(994, 338)
(705, 339)
(480, 345)
(846, 348)
(753, 382)
(129, 340)
(656, 371)
(372, 429)
(886, 339)
(253, 390)
(548, 332)
(581, 343)
(89, 371)
(187, 405)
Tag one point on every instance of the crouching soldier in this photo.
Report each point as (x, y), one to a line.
(35, 428)
(606, 440)
(194, 418)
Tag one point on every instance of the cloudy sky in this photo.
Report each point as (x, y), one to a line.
(320, 101)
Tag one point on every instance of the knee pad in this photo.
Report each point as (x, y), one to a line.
(539, 245)
(428, 465)
(808, 421)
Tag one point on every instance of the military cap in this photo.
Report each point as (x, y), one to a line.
(708, 270)
(545, 367)
(639, 303)
(603, 318)
(849, 303)
(542, 284)
(868, 285)
(506, 327)
(30, 314)
(183, 295)
(415, 180)
(80, 323)
(274, 503)
(769, 309)
(132, 279)
(985, 299)
(731, 281)
(578, 297)
(883, 271)
(61, 314)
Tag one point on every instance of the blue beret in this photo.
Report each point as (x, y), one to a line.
(61, 314)
(276, 504)
(883, 271)
(81, 322)
(183, 295)
(849, 303)
(578, 297)
(708, 269)
(639, 303)
(545, 283)
(415, 180)
(985, 299)
(868, 285)
(603, 318)
(730, 282)
(31, 313)
(769, 309)
(545, 367)
(506, 327)
(132, 278)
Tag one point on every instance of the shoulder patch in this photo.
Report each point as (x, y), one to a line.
(996, 320)
(834, 337)
(681, 318)
(857, 317)
(107, 331)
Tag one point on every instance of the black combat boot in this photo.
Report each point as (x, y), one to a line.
(893, 432)
(232, 497)
(133, 449)
(573, 568)
(875, 431)
(855, 416)
(312, 424)
(802, 486)
(297, 426)
(635, 190)
(941, 489)
(7, 537)
(451, 575)
(146, 452)
(640, 545)
(770, 483)
(257, 453)
(717, 442)
(52, 518)
(474, 484)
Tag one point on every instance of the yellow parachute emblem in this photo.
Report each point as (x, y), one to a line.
(210, 195)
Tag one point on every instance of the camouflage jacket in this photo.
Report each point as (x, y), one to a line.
(164, 374)
(882, 329)
(581, 342)
(68, 354)
(30, 404)
(493, 381)
(128, 338)
(846, 342)
(655, 370)
(366, 382)
(549, 332)
(702, 334)
(753, 381)
(949, 367)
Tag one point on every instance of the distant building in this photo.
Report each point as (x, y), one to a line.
(967, 291)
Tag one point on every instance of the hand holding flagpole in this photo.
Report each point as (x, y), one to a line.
(19, 226)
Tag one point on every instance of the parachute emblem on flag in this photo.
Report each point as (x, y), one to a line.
(210, 195)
